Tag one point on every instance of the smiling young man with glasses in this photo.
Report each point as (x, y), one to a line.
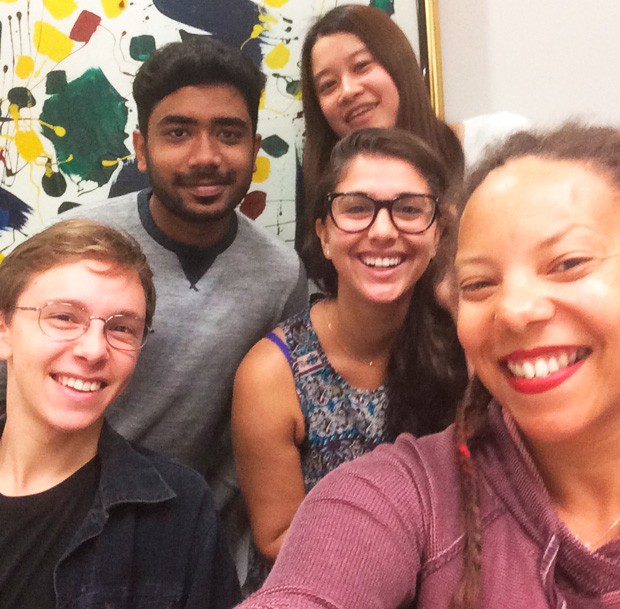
(87, 519)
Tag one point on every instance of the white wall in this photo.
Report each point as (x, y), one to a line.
(546, 59)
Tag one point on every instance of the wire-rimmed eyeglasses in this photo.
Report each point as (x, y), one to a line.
(66, 321)
(354, 212)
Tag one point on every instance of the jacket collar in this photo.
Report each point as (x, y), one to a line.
(127, 475)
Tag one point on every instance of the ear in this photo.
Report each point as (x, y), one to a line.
(5, 336)
(257, 142)
(323, 235)
(139, 146)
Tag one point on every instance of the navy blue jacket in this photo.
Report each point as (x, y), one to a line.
(150, 540)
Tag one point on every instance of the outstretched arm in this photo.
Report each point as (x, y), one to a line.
(355, 542)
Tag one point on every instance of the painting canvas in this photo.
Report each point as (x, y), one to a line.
(67, 115)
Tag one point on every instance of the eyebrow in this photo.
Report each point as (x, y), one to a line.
(220, 121)
(362, 49)
(80, 305)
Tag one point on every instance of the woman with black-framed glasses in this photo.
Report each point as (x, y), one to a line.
(374, 358)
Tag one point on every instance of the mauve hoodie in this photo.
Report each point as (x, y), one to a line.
(386, 531)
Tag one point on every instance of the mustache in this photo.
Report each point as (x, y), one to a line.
(204, 176)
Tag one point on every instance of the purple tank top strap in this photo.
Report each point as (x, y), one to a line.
(274, 338)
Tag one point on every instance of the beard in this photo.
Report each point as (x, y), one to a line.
(197, 209)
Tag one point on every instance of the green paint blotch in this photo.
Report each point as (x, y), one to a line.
(141, 47)
(387, 6)
(67, 205)
(21, 97)
(55, 82)
(293, 87)
(274, 146)
(94, 115)
(54, 184)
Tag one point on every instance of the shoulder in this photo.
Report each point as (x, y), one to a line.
(488, 129)
(413, 483)
(498, 121)
(186, 482)
(253, 235)
(139, 474)
(119, 211)
(403, 474)
(264, 364)
(409, 459)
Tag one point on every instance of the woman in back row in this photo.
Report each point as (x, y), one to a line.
(359, 70)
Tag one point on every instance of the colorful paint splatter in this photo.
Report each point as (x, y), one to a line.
(66, 113)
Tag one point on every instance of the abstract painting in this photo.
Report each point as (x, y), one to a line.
(66, 111)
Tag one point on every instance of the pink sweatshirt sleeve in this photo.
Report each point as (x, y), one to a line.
(356, 541)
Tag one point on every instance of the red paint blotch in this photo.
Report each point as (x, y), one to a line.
(84, 26)
(254, 204)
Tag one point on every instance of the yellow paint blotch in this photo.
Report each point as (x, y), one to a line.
(51, 42)
(257, 30)
(266, 17)
(14, 114)
(276, 3)
(28, 145)
(2, 255)
(278, 57)
(8, 1)
(24, 66)
(263, 169)
(58, 130)
(113, 8)
(60, 9)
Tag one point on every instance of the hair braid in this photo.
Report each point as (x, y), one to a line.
(470, 421)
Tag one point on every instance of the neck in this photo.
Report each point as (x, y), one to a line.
(196, 233)
(367, 330)
(32, 462)
(582, 479)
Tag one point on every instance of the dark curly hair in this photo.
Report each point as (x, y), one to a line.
(198, 60)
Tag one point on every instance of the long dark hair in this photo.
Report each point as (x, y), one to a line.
(597, 148)
(390, 47)
(426, 372)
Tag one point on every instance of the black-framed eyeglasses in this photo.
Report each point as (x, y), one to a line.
(66, 321)
(354, 212)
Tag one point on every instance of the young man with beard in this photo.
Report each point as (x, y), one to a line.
(87, 519)
(222, 281)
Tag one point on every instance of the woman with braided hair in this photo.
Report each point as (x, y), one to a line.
(517, 505)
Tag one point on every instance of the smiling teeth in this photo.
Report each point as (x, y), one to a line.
(79, 384)
(542, 367)
(382, 262)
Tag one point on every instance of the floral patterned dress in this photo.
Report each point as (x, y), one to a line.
(342, 422)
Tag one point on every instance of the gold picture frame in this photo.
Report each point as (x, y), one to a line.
(430, 52)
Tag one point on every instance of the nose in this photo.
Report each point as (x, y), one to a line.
(92, 345)
(383, 229)
(205, 151)
(523, 302)
(349, 87)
